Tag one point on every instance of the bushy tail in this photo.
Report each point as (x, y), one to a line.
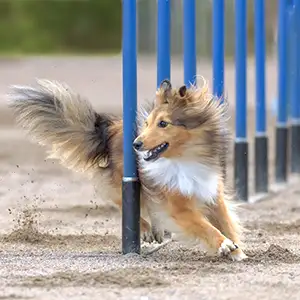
(57, 117)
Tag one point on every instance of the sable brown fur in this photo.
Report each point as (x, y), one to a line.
(182, 185)
(202, 115)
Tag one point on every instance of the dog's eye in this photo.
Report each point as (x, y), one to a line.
(162, 124)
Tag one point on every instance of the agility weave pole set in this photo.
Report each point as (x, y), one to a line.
(288, 119)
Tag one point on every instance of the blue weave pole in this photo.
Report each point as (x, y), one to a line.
(241, 143)
(291, 67)
(281, 158)
(261, 139)
(218, 52)
(218, 26)
(163, 41)
(189, 42)
(130, 184)
(294, 78)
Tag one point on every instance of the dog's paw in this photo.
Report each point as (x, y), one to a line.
(158, 235)
(147, 236)
(153, 236)
(238, 255)
(227, 247)
(167, 234)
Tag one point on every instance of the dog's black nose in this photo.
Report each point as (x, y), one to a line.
(137, 145)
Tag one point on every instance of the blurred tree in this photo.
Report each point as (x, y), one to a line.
(60, 26)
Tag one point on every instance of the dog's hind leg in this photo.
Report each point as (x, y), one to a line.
(146, 230)
(153, 210)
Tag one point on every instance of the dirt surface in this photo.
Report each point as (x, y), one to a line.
(60, 241)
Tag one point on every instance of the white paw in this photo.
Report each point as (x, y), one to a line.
(147, 236)
(167, 234)
(227, 247)
(158, 235)
(153, 236)
(238, 255)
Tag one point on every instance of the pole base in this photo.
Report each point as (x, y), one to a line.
(281, 159)
(261, 164)
(131, 242)
(295, 148)
(241, 169)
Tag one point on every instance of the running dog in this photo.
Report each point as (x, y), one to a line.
(181, 147)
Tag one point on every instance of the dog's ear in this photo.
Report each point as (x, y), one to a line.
(182, 91)
(166, 85)
(164, 93)
(182, 96)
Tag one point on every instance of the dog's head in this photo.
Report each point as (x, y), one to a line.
(185, 122)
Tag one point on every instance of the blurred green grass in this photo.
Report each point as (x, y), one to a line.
(94, 27)
(64, 27)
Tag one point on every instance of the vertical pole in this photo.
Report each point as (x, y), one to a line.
(189, 42)
(163, 46)
(130, 184)
(261, 139)
(218, 26)
(163, 41)
(291, 68)
(218, 47)
(281, 159)
(241, 144)
(295, 82)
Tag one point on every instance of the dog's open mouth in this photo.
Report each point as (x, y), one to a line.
(156, 152)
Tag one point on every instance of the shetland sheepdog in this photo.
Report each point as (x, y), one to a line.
(181, 147)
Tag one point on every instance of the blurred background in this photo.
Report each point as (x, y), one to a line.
(68, 40)
(94, 27)
(79, 43)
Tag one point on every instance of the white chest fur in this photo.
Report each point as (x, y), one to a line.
(189, 178)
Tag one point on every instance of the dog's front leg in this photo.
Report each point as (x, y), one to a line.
(193, 223)
(221, 216)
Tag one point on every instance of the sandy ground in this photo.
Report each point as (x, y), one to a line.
(60, 241)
